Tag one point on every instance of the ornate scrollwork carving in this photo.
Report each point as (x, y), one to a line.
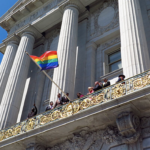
(118, 91)
(30, 124)
(76, 107)
(56, 115)
(17, 130)
(111, 134)
(141, 82)
(85, 103)
(2, 135)
(129, 127)
(45, 119)
(94, 29)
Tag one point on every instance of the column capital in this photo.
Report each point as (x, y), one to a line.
(26, 33)
(13, 39)
(74, 4)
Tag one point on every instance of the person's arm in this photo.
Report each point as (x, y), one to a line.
(107, 84)
(61, 101)
(35, 109)
(95, 88)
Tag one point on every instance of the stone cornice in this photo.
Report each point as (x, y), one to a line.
(13, 37)
(18, 11)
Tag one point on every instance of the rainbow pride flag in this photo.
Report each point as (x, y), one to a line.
(48, 60)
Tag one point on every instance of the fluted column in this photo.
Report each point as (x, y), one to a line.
(6, 65)
(15, 85)
(90, 66)
(64, 75)
(134, 50)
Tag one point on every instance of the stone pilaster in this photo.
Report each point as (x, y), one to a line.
(11, 100)
(64, 75)
(6, 65)
(90, 66)
(134, 51)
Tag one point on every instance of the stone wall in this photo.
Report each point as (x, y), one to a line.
(129, 133)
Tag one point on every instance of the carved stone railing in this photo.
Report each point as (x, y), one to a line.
(100, 97)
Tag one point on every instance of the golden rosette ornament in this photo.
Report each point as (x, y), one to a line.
(118, 91)
(45, 119)
(30, 124)
(85, 103)
(76, 107)
(56, 114)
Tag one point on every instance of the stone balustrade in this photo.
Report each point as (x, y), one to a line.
(116, 91)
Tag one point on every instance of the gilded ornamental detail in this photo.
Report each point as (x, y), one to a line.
(98, 98)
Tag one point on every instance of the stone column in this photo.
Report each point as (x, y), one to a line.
(6, 65)
(134, 50)
(64, 75)
(15, 85)
(90, 66)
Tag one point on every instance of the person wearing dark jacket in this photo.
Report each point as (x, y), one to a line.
(106, 83)
(121, 78)
(33, 112)
(98, 86)
(64, 100)
(49, 107)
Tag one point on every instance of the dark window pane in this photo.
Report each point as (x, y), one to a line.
(114, 57)
(115, 66)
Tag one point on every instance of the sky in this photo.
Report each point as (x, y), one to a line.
(4, 6)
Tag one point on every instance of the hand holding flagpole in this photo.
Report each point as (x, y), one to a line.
(48, 76)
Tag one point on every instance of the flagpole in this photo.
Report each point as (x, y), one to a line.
(48, 76)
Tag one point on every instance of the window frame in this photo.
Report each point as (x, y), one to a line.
(109, 64)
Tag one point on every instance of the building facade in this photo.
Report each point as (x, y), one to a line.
(94, 39)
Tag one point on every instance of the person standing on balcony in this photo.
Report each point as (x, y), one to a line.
(33, 112)
(49, 107)
(57, 104)
(120, 78)
(98, 86)
(90, 89)
(79, 95)
(106, 83)
(64, 100)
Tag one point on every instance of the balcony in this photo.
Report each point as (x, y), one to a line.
(99, 109)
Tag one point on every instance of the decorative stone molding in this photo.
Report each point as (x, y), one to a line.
(30, 18)
(81, 141)
(145, 122)
(33, 146)
(109, 43)
(13, 38)
(111, 135)
(95, 27)
(129, 127)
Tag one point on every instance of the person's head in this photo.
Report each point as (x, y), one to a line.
(105, 80)
(78, 95)
(96, 82)
(67, 94)
(51, 103)
(59, 95)
(122, 77)
(90, 89)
